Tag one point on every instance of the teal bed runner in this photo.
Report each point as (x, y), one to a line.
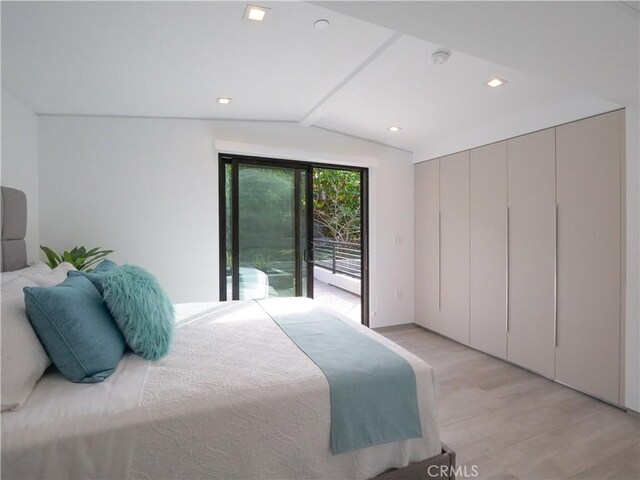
(373, 389)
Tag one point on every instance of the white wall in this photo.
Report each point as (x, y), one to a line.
(19, 167)
(148, 188)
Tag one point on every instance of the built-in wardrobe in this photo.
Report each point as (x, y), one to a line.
(518, 251)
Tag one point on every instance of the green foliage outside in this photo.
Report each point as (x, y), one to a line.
(336, 203)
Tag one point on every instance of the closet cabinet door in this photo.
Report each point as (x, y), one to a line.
(488, 270)
(532, 251)
(427, 244)
(589, 254)
(454, 248)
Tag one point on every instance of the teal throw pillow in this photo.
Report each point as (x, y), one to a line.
(96, 276)
(141, 309)
(76, 329)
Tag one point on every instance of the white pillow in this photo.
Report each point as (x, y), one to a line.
(38, 266)
(9, 276)
(40, 274)
(23, 357)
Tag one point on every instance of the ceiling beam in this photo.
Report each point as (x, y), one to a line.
(319, 108)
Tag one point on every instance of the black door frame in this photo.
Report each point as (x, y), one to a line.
(225, 159)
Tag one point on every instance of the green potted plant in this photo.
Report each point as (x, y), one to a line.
(79, 257)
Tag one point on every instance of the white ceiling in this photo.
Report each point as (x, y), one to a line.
(448, 104)
(370, 70)
(173, 59)
(588, 45)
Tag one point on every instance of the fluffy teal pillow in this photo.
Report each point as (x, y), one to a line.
(96, 276)
(76, 329)
(141, 309)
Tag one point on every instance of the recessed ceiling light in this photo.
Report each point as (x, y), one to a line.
(223, 100)
(394, 129)
(321, 24)
(496, 82)
(255, 13)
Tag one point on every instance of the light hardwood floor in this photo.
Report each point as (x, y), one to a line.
(514, 424)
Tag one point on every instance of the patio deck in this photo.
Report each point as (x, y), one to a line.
(337, 299)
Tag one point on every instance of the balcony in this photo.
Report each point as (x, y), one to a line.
(336, 276)
(337, 299)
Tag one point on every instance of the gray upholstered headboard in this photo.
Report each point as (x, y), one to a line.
(14, 229)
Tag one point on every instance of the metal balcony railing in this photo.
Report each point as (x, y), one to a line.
(339, 257)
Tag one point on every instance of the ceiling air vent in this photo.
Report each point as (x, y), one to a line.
(440, 56)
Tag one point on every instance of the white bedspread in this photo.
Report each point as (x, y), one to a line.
(71, 430)
(235, 398)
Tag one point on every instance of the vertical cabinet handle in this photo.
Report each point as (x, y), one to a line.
(555, 284)
(507, 272)
(439, 255)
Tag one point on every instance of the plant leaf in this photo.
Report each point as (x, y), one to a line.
(96, 258)
(79, 257)
(53, 260)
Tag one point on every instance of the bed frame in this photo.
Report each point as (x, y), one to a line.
(439, 467)
(13, 256)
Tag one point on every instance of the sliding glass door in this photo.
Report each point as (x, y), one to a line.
(267, 247)
(294, 229)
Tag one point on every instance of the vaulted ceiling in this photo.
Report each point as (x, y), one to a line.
(371, 69)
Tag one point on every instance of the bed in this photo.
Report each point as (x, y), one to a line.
(235, 398)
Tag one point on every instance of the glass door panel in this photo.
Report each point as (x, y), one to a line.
(266, 234)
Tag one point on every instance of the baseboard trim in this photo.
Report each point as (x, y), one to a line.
(390, 328)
